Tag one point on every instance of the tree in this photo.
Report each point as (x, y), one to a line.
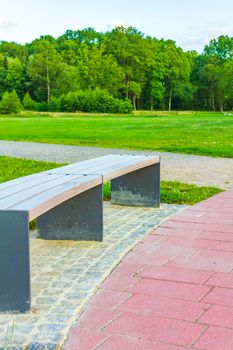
(134, 90)
(15, 76)
(177, 68)
(45, 67)
(10, 103)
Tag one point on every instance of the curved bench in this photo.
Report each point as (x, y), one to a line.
(67, 203)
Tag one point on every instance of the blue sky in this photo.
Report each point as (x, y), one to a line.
(192, 23)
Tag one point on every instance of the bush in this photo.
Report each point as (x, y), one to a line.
(29, 103)
(10, 103)
(54, 105)
(94, 101)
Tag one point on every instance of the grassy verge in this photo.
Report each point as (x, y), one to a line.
(171, 191)
(201, 133)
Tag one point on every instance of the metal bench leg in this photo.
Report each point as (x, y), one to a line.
(138, 188)
(79, 218)
(14, 262)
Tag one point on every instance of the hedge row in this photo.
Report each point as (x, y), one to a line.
(84, 101)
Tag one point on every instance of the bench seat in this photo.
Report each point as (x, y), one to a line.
(68, 204)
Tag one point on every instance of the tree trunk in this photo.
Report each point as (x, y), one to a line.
(170, 100)
(151, 103)
(213, 104)
(127, 88)
(134, 103)
(48, 82)
(221, 105)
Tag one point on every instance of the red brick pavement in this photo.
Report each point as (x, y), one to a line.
(174, 291)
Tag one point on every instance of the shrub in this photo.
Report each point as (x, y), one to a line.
(94, 101)
(54, 105)
(10, 103)
(29, 103)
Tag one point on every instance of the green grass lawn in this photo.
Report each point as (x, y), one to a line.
(188, 132)
(171, 191)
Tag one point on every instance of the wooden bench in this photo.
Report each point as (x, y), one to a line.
(67, 203)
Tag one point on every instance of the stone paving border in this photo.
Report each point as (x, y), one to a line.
(66, 274)
(174, 291)
(199, 170)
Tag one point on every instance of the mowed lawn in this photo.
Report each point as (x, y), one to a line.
(195, 133)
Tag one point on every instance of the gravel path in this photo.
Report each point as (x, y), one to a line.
(200, 170)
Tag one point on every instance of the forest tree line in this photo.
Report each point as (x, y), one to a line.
(121, 70)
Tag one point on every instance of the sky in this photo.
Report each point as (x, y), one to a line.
(191, 23)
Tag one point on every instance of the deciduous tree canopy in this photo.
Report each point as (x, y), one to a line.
(125, 64)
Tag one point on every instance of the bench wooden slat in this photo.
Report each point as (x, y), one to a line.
(111, 172)
(114, 168)
(82, 167)
(18, 188)
(21, 180)
(88, 166)
(54, 196)
(54, 181)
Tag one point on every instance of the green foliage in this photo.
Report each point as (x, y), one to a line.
(29, 104)
(9, 336)
(180, 193)
(152, 73)
(10, 103)
(94, 101)
(12, 168)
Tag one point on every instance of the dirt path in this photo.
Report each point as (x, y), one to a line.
(199, 170)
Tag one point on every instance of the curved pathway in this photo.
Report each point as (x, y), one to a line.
(173, 291)
(199, 170)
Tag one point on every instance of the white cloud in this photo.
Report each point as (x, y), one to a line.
(7, 24)
(195, 38)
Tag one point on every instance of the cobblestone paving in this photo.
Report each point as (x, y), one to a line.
(66, 274)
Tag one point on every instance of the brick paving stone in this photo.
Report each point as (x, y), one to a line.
(119, 282)
(170, 289)
(177, 231)
(195, 243)
(206, 259)
(107, 299)
(216, 338)
(198, 226)
(82, 339)
(117, 342)
(165, 307)
(216, 236)
(224, 280)
(217, 315)
(95, 318)
(175, 274)
(152, 257)
(156, 329)
(220, 296)
(225, 246)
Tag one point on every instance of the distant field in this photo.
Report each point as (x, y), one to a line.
(186, 132)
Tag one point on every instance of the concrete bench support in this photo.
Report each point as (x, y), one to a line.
(79, 218)
(14, 262)
(138, 188)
